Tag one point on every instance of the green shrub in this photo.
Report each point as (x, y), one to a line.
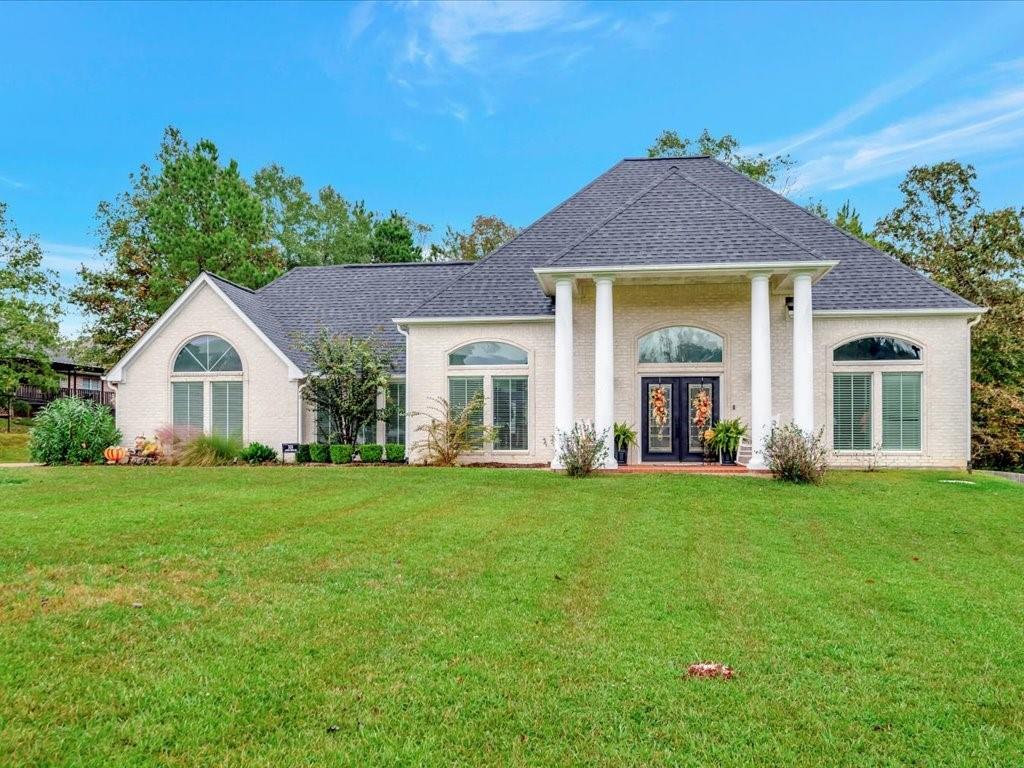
(302, 455)
(21, 408)
(209, 451)
(72, 431)
(394, 452)
(371, 453)
(258, 453)
(318, 453)
(341, 454)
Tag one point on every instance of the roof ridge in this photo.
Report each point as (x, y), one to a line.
(849, 236)
(502, 247)
(215, 276)
(365, 264)
(617, 212)
(667, 158)
(752, 216)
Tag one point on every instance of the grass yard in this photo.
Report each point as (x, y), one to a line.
(347, 616)
(14, 444)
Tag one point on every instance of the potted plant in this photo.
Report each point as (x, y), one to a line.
(625, 436)
(725, 439)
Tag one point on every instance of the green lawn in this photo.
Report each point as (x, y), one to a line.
(14, 444)
(347, 616)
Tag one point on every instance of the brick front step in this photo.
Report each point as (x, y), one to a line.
(692, 469)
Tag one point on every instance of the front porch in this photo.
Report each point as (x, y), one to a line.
(623, 336)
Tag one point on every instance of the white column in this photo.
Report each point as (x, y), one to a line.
(564, 416)
(604, 365)
(760, 367)
(803, 354)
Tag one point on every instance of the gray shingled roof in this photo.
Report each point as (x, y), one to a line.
(349, 300)
(675, 211)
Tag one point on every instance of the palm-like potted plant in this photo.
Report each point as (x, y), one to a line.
(625, 436)
(725, 439)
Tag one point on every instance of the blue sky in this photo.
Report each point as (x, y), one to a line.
(447, 110)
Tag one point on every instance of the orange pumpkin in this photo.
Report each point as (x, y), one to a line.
(115, 454)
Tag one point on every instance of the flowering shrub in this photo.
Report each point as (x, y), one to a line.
(795, 455)
(581, 450)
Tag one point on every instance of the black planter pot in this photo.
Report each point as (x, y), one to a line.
(621, 455)
(728, 457)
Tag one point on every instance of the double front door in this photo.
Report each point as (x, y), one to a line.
(671, 414)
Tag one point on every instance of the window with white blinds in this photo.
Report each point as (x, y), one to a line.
(901, 411)
(461, 391)
(851, 411)
(187, 404)
(324, 426)
(510, 409)
(226, 409)
(395, 431)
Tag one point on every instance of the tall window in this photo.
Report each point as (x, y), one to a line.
(187, 405)
(885, 364)
(205, 395)
(461, 391)
(901, 411)
(851, 411)
(681, 344)
(510, 402)
(226, 398)
(395, 429)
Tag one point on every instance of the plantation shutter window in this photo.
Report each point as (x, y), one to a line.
(851, 411)
(187, 397)
(395, 432)
(460, 392)
(226, 404)
(510, 399)
(901, 411)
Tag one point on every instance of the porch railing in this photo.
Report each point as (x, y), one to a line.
(41, 395)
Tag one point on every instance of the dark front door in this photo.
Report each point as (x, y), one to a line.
(668, 431)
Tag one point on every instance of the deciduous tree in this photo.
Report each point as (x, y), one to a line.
(763, 168)
(487, 234)
(29, 311)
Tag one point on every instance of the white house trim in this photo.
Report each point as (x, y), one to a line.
(473, 320)
(116, 374)
(933, 312)
(548, 275)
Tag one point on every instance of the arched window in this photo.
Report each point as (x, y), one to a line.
(207, 354)
(488, 353)
(874, 348)
(681, 344)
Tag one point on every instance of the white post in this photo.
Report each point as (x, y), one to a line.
(760, 367)
(564, 416)
(803, 354)
(604, 365)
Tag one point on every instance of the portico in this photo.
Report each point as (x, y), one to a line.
(738, 377)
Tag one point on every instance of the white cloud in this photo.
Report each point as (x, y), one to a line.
(359, 20)
(66, 259)
(961, 129)
(7, 181)
(459, 28)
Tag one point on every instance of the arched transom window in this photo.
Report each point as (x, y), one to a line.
(874, 348)
(207, 354)
(488, 353)
(681, 344)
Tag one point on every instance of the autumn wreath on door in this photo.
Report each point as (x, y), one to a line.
(659, 406)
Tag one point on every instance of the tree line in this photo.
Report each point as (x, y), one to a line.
(195, 212)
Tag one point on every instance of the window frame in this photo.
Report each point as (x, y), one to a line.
(206, 378)
(488, 373)
(876, 369)
(689, 365)
(920, 412)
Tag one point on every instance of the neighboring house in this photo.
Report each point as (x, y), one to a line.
(76, 379)
(659, 279)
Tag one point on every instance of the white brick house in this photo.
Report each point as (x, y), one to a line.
(667, 276)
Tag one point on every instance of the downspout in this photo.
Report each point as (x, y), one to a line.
(970, 377)
(408, 435)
